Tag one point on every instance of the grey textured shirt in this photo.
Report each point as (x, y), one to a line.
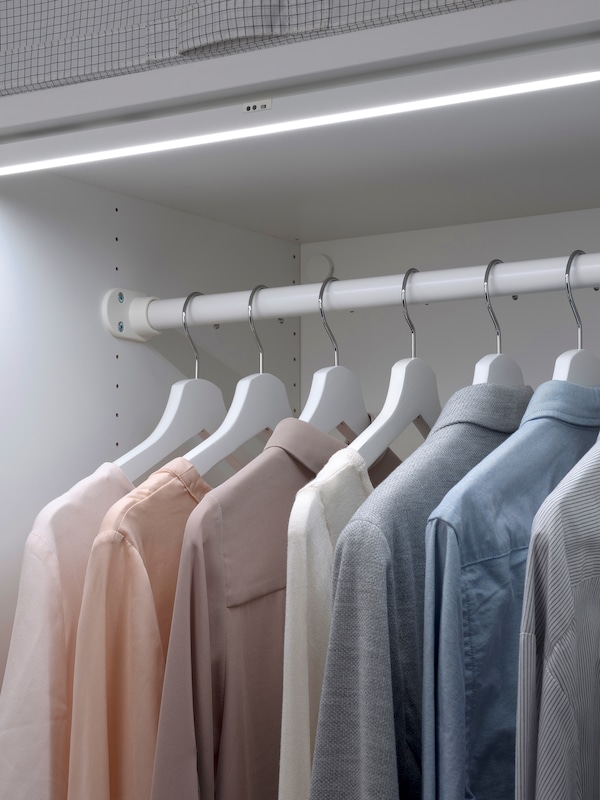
(368, 741)
(558, 719)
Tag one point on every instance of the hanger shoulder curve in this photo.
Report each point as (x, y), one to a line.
(498, 368)
(193, 405)
(412, 397)
(260, 402)
(335, 397)
(578, 366)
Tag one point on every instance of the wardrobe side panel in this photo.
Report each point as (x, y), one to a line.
(73, 396)
(452, 336)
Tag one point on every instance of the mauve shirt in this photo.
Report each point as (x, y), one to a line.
(220, 718)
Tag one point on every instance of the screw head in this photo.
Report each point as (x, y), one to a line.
(121, 297)
(120, 327)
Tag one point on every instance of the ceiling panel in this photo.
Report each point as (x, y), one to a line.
(518, 156)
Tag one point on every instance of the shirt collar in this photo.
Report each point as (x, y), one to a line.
(566, 401)
(490, 405)
(305, 443)
(186, 473)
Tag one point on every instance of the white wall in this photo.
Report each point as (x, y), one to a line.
(63, 244)
(452, 336)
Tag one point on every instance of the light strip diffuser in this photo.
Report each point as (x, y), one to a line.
(309, 122)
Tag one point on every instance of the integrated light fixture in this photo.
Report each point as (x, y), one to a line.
(308, 122)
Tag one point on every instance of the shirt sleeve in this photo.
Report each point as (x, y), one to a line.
(444, 711)
(34, 724)
(355, 752)
(184, 766)
(558, 768)
(530, 666)
(118, 677)
(527, 719)
(548, 738)
(307, 624)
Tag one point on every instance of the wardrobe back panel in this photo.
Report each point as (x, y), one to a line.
(72, 392)
(452, 336)
(72, 395)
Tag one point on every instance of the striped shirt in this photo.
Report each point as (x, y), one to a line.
(558, 715)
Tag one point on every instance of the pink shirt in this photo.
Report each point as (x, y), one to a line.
(36, 698)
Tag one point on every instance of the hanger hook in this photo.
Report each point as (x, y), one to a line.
(326, 325)
(405, 310)
(570, 295)
(486, 292)
(253, 329)
(185, 327)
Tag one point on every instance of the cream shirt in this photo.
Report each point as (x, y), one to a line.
(321, 511)
(123, 635)
(36, 698)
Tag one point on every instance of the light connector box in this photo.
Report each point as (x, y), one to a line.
(256, 105)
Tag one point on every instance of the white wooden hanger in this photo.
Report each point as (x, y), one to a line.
(335, 399)
(260, 401)
(497, 367)
(579, 366)
(412, 397)
(193, 406)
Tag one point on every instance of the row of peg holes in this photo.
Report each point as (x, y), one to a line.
(216, 327)
(117, 355)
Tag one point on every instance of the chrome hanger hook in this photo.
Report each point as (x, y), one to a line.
(489, 304)
(336, 359)
(405, 310)
(253, 329)
(570, 295)
(185, 327)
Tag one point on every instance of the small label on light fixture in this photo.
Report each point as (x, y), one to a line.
(256, 105)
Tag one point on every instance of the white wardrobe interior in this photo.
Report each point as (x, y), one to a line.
(74, 396)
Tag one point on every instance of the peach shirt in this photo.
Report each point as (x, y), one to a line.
(123, 635)
(35, 703)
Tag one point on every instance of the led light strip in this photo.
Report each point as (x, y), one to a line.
(309, 122)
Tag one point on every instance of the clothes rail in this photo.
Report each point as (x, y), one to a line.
(134, 316)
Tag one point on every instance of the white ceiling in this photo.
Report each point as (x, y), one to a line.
(518, 156)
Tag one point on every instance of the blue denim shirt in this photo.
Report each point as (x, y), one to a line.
(477, 541)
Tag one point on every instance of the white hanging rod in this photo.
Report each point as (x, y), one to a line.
(131, 315)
